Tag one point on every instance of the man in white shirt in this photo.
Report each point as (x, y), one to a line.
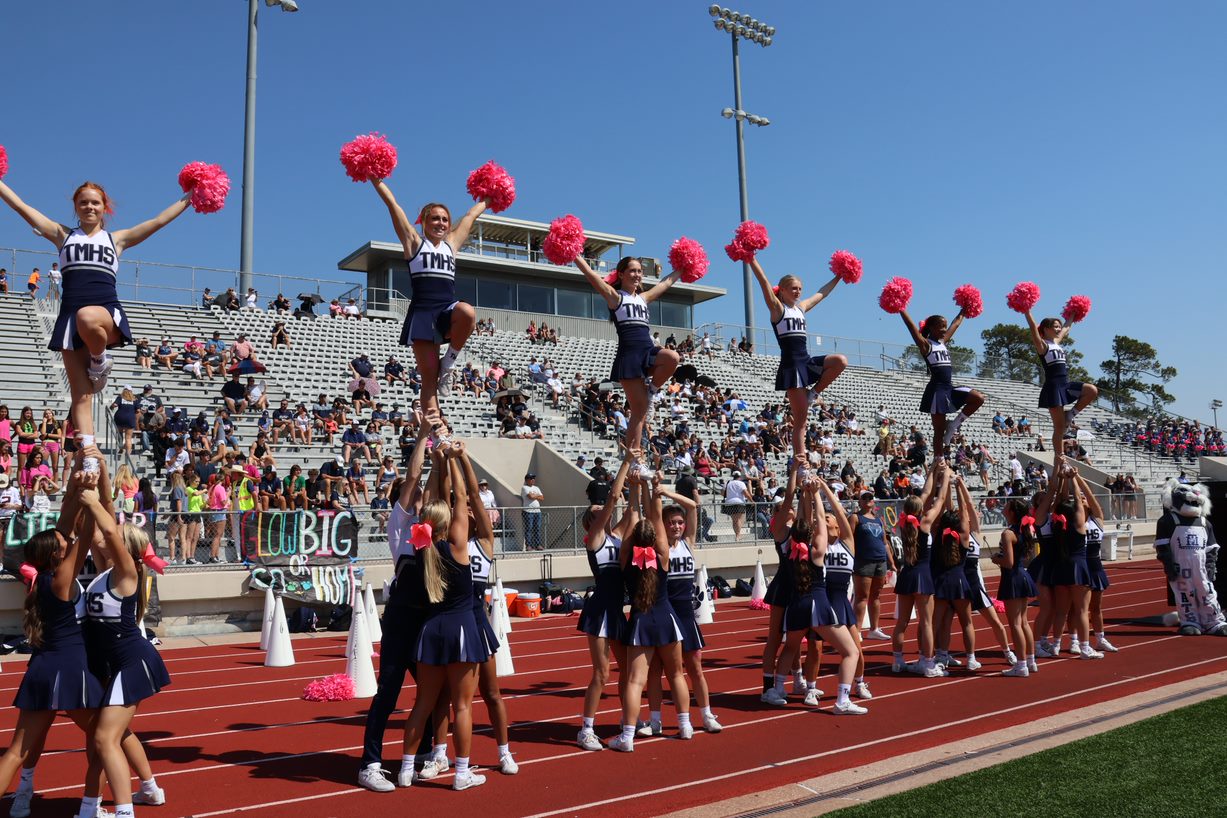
(10, 498)
(55, 276)
(177, 458)
(530, 499)
(1016, 469)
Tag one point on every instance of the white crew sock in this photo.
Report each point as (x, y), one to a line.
(683, 719)
(628, 734)
(439, 753)
(779, 682)
(406, 763)
(842, 696)
(124, 811)
(504, 750)
(462, 765)
(588, 723)
(706, 711)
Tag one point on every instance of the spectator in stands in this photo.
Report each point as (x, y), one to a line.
(295, 489)
(6, 457)
(353, 442)
(339, 415)
(415, 380)
(361, 366)
(356, 482)
(984, 461)
(1024, 425)
(736, 494)
(361, 396)
(333, 474)
(144, 353)
(919, 450)
(536, 373)
(166, 354)
(177, 458)
(272, 490)
(281, 304)
(10, 501)
(351, 309)
(394, 371)
(234, 394)
(334, 307)
(206, 299)
(51, 438)
(243, 356)
(215, 351)
(124, 407)
(32, 283)
(148, 405)
(229, 300)
(531, 332)
(551, 336)
(302, 426)
(282, 421)
(488, 501)
(555, 387)
(379, 417)
(999, 423)
(530, 499)
(280, 337)
(471, 381)
(223, 430)
(1016, 468)
(251, 299)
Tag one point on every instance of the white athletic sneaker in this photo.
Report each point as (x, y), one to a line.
(21, 803)
(102, 812)
(877, 634)
(898, 666)
(370, 777)
(1106, 646)
(1010, 658)
(1044, 651)
(950, 661)
(99, 371)
(711, 724)
(1089, 652)
(464, 781)
(973, 664)
(647, 729)
(685, 731)
(1075, 647)
(1018, 670)
(404, 777)
(154, 796)
(430, 769)
(587, 740)
(811, 697)
(622, 745)
(773, 697)
(1033, 666)
(1056, 649)
(934, 672)
(507, 765)
(799, 685)
(849, 709)
(861, 690)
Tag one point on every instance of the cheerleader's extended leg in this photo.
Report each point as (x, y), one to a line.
(637, 396)
(798, 402)
(426, 353)
(832, 367)
(97, 330)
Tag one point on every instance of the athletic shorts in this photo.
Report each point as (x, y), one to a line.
(876, 568)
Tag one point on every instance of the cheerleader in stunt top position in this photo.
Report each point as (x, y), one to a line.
(91, 319)
(1058, 390)
(1016, 587)
(639, 365)
(435, 316)
(941, 396)
(800, 377)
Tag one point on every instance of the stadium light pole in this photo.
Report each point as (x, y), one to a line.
(1215, 405)
(742, 27)
(246, 240)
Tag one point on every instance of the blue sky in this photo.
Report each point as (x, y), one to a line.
(1075, 144)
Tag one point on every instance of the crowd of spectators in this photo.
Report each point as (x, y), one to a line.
(1169, 437)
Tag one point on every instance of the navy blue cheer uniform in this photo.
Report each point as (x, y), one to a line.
(797, 369)
(1038, 567)
(129, 667)
(941, 396)
(602, 614)
(432, 272)
(837, 566)
(949, 581)
(811, 609)
(1067, 565)
(90, 265)
(870, 539)
(58, 675)
(682, 597)
(783, 586)
(636, 353)
(658, 624)
(1058, 389)
(918, 578)
(1094, 555)
(450, 633)
(1016, 582)
(480, 565)
(975, 579)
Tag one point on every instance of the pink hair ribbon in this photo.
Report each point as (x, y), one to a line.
(910, 519)
(152, 560)
(1027, 521)
(28, 573)
(1059, 518)
(950, 532)
(421, 535)
(798, 549)
(644, 557)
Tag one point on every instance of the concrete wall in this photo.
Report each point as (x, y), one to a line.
(505, 462)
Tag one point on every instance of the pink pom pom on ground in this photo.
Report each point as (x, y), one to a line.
(209, 185)
(896, 295)
(847, 267)
(1024, 296)
(367, 157)
(492, 182)
(335, 688)
(969, 300)
(689, 258)
(4, 162)
(565, 241)
(1076, 308)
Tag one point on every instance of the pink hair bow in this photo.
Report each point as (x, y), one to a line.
(1059, 518)
(798, 550)
(421, 535)
(28, 573)
(152, 560)
(644, 557)
(950, 532)
(1027, 521)
(776, 289)
(910, 519)
(612, 278)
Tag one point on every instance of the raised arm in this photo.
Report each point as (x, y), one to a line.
(809, 303)
(820, 536)
(1055, 487)
(973, 521)
(133, 236)
(1093, 508)
(460, 233)
(1075, 490)
(922, 343)
(662, 287)
(926, 494)
(656, 518)
(941, 497)
(689, 506)
(954, 327)
(844, 533)
(409, 237)
(52, 231)
(1037, 340)
(603, 287)
(600, 521)
(411, 490)
(485, 531)
(782, 519)
(458, 534)
(769, 295)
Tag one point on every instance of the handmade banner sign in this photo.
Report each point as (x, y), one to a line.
(305, 555)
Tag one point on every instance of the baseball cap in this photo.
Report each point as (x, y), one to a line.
(340, 461)
(4, 480)
(483, 482)
(532, 475)
(148, 386)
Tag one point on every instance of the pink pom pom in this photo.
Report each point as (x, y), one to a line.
(4, 162)
(1024, 296)
(896, 295)
(367, 157)
(1076, 308)
(492, 182)
(565, 240)
(848, 267)
(612, 278)
(689, 258)
(758, 605)
(748, 239)
(998, 605)
(969, 300)
(209, 185)
(335, 688)
(737, 251)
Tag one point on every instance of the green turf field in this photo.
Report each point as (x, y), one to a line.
(1169, 765)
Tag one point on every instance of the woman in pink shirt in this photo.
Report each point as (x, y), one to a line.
(219, 505)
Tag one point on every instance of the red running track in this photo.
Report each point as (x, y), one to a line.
(231, 736)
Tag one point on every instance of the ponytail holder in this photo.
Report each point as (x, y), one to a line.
(1059, 518)
(798, 550)
(910, 519)
(644, 557)
(28, 574)
(152, 560)
(421, 535)
(950, 532)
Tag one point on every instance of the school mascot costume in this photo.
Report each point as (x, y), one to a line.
(1185, 544)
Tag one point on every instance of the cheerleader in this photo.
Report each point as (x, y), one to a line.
(837, 567)
(1058, 390)
(435, 315)
(941, 396)
(681, 524)
(450, 647)
(951, 590)
(639, 365)
(652, 628)
(811, 609)
(1094, 562)
(481, 560)
(1067, 569)
(601, 618)
(91, 320)
(873, 560)
(781, 592)
(800, 377)
(1038, 568)
(981, 603)
(1016, 587)
(914, 587)
(129, 667)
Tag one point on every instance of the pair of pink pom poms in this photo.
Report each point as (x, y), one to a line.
(847, 267)
(209, 185)
(367, 157)
(492, 182)
(4, 162)
(1076, 308)
(689, 258)
(335, 688)
(1024, 296)
(969, 300)
(748, 239)
(565, 240)
(896, 295)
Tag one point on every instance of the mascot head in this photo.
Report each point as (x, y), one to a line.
(1186, 500)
